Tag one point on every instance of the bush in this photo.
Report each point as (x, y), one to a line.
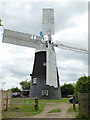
(16, 89)
(67, 89)
(82, 86)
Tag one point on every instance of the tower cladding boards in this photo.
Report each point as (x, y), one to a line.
(38, 84)
(44, 76)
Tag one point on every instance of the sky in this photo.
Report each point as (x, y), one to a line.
(71, 26)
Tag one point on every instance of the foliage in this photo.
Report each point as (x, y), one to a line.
(67, 89)
(25, 85)
(16, 89)
(71, 109)
(82, 86)
(54, 111)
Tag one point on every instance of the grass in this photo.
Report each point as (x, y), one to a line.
(82, 116)
(17, 110)
(78, 115)
(63, 100)
(71, 109)
(22, 110)
(54, 111)
(40, 101)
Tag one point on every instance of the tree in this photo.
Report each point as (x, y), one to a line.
(67, 89)
(82, 86)
(25, 85)
(16, 89)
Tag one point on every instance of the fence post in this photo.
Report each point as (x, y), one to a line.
(7, 103)
(30, 101)
(1, 106)
(36, 103)
(73, 102)
(84, 104)
(24, 100)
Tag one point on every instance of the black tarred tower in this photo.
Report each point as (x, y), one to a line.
(39, 87)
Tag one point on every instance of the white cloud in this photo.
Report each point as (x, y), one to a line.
(77, 34)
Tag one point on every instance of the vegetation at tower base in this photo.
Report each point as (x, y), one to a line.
(25, 85)
(82, 86)
(16, 89)
(67, 89)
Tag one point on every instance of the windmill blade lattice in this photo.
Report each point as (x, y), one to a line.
(70, 46)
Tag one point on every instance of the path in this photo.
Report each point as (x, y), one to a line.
(63, 114)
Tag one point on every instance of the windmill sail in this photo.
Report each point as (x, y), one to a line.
(48, 21)
(48, 29)
(69, 46)
(21, 39)
(51, 74)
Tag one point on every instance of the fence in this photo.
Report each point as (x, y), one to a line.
(6, 101)
(24, 102)
(5, 98)
(0, 105)
(84, 103)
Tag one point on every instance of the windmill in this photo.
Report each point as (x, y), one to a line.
(44, 77)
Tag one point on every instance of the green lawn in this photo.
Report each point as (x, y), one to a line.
(16, 110)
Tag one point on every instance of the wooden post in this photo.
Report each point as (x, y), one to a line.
(24, 100)
(7, 103)
(1, 104)
(84, 104)
(36, 103)
(79, 100)
(30, 101)
(73, 102)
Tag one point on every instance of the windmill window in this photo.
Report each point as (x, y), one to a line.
(44, 64)
(44, 92)
(34, 80)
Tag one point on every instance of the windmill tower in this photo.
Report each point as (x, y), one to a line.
(44, 77)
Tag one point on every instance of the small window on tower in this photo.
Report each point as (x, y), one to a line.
(34, 80)
(44, 64)
(44, 92)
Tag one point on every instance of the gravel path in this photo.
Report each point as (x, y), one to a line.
(63, 114)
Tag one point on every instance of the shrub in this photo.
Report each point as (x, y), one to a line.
(67, 89)
(82, 86)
